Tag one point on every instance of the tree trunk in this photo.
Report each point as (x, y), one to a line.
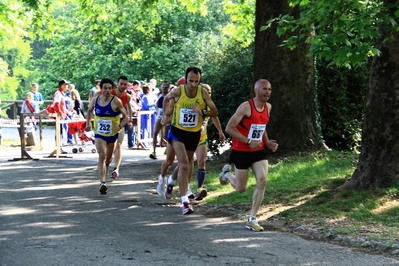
(291, 73)
(378, 164)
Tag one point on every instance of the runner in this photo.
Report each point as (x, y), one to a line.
(188, 104)
(107, 123)
(247, 127)
(120, 92)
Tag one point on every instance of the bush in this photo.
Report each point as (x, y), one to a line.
(341, 100)
(231, 82)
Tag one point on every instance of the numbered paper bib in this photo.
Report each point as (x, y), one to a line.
(188, 118)
(104, 127)
(256, 131)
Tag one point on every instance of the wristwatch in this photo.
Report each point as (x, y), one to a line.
(204, 112)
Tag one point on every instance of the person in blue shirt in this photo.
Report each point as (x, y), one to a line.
(147, 104)
(69, 107)
(37, 96)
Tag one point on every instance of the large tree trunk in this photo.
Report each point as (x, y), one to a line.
(291, 73)
(378, 164)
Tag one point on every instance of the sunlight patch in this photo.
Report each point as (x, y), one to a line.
(16, 211)
(55, 225)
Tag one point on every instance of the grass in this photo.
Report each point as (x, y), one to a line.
(9, 142)
(302, 188)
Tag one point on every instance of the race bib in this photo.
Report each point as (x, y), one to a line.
(188, 118)
(256, 131)
(104, 127)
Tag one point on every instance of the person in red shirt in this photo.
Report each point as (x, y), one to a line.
(58, 105)
(120, 92)
(59, 99)
(247, 127)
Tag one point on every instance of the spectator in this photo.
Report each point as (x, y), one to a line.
(93, 91)
(154, 89)
(135, 104)
(29, 106)
(37, 96)
(77, 103)
(67, 137)
(147, 104)
(58, 105)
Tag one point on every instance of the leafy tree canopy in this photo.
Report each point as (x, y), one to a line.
(341, 32)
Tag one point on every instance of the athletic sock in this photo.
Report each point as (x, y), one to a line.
(201, 177)
(170, 180)
(184, 199)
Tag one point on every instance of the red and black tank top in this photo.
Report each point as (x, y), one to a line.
(252, 127)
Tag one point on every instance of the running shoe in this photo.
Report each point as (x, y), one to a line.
(115, 173)
(161, 186)
(103, 189)
(253, 225)
(187, 208)
(153, 156)
(201, 193)
(222, 179)
(169, 191)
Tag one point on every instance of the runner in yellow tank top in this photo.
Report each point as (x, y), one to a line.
(184, 115)
(188, 105)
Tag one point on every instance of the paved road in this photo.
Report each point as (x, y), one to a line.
(51, 213)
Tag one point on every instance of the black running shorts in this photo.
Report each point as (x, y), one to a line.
(189, 139)
(244, 159)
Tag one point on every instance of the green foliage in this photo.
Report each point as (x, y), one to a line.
(342, 33)
(14, 18)
(231, 79)
(16, 53)
(241, 29)
(112, 41)
(341, 97)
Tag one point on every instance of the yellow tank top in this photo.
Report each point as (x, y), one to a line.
(184, 117)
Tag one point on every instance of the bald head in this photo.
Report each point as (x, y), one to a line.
(262, 83)
(262, 90)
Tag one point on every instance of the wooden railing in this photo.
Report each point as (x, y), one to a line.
(19, 119)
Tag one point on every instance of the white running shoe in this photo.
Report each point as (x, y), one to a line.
(115, 173)
(253, 225)
(222, 179)
(187, 208)
(169, 188)
(161, 186)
